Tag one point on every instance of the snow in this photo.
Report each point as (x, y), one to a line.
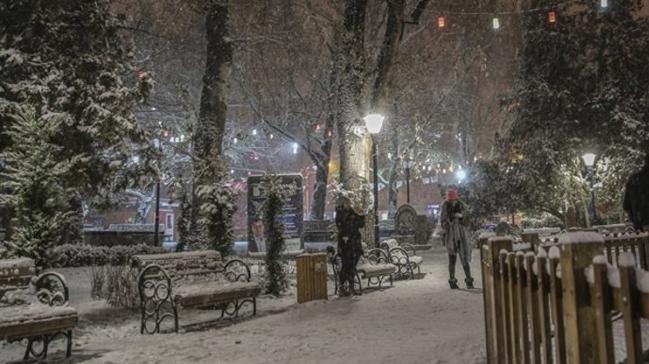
(643, 280)
(626, 259)
(581, 237)
(416, 321)
(12, 315)
(555, 252)
(16, 263)
(600, 259)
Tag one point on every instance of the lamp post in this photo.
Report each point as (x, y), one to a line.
(409, 163)
(156, 229)
(374, 123)
(589, 161)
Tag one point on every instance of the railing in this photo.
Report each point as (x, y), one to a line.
(552, 302)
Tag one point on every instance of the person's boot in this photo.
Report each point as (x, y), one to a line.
(468, 280)
(451, 271)
(453, 283)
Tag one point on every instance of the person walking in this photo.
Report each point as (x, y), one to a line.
(636, 198)
(455, 237)
(349, 222)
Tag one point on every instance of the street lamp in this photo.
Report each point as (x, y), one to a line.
(589, 161)
(374, 123)
(156, 229)
(408, 164)
(460, 175)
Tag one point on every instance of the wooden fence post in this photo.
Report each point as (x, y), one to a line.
(577, 252)
(493, 284)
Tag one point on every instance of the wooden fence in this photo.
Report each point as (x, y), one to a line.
(553, 302)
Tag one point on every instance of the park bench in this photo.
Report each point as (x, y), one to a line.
(373, 266)
(198, 279)
(404, 257)
(34, 308)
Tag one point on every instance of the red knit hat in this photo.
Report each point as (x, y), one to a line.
(452, 195)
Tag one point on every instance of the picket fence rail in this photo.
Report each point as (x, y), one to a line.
(553, 301)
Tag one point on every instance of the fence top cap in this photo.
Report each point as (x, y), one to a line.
(580, 237)
(501, 238)
(486, 235)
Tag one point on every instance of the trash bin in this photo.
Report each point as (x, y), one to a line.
(311, 277)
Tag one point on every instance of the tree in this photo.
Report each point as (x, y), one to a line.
(67, 58)
(39, 195)
(210, 127)
(275, 278)
(581, 87)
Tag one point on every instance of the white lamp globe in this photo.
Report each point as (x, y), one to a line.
(589, 159)
(460, 175)
(374, 123)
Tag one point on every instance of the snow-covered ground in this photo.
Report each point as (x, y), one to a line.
(417, 321)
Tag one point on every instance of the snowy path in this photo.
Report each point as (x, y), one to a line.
(419, 321)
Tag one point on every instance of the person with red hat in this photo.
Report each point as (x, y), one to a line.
(455, 236)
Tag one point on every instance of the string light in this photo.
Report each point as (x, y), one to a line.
(317, 127)
(441, 22)
(552, 17)
(295, 147)
(604, 3)
(496, 23)
(235, 140)
(254, 131)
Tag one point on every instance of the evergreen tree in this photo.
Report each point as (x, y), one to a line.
(274, 229)
(583, 86)
(39, 198)
(66, 58)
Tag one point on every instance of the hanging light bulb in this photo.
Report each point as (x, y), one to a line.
(317, 127)
(552, 17)
(295, 147)
(603, 3)
(254, 131)
(271, 136)
(495, 23)
(235, 140)
(441, 22)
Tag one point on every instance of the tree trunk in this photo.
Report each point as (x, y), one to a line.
(208, 133)
(322, 173)
(349, 68)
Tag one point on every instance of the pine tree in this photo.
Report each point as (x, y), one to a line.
(274, 229)
(39, 199)
(67, 58)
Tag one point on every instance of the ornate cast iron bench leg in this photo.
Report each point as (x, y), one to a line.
(156, 300)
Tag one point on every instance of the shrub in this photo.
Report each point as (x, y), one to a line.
(117, 284)
(70, 255)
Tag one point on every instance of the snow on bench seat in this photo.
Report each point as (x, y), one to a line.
(214, 293)
(35, 319)
(371, 270)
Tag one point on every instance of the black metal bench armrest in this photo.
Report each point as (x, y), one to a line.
(409, 248)
(377, 256)
(154, 282)
(52, 289)
(233, 274)
(399, 256)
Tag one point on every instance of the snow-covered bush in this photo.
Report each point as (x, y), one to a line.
(115, 284)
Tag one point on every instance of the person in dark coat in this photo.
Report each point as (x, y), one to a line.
(636, 197)
(454, 217)
(349, 222)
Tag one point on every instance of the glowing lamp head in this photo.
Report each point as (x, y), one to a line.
(589, 159)
(460, 175)
(374, 123)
